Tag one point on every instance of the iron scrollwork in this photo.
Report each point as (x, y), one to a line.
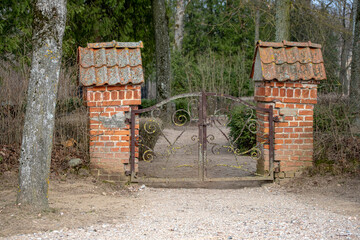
(221, 119)
(181, 119)
(213, 125)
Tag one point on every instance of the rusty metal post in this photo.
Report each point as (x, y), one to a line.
(132, 141)
(204, 135)
(271, 141)
(200, 139)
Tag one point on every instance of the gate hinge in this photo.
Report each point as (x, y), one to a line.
(276, 119)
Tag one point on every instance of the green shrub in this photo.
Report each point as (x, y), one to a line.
(182, 103)
(240, 126)
(145, 103)
(184, 108)
(150, 131)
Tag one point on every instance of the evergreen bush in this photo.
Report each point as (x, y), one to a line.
(150, 131)
(242, 127)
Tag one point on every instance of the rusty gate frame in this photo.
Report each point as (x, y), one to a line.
(202, 126)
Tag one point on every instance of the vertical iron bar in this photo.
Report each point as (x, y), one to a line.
(200, 125)
(271, 141)
(132, 140)
(204, 116)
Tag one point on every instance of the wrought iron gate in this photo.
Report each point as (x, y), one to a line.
(188, 138)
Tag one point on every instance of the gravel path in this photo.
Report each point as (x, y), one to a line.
(249, 213)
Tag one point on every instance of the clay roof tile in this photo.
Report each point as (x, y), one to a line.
(110, 63)
(286, 60)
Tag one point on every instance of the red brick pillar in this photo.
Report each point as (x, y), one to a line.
(108, 108)
(286, 75)
(112, 74)
(293, 104)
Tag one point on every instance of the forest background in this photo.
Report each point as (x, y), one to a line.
(211, 46)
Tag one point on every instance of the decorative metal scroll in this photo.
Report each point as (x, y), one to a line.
(221, 117)
(200, 129)
(152, 128)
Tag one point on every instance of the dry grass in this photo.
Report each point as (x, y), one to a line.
(71, 125)
(336, 140)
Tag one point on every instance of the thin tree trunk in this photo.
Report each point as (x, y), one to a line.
(179, 24)
(257, 23)
(349, 45)
(355, 67)
(36, 147)
(355, 64)
(282, 20)
(163, 74)
(345, 50)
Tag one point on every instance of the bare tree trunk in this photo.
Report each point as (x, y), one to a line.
(36, 147)
(282, 20)
(257, 21)
(345, 51)
(163, 74)
(355, 64)
(179, 24)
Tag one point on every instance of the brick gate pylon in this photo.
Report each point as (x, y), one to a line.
(286, 76)
(112, 74)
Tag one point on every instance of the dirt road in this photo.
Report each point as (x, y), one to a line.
(313, 208)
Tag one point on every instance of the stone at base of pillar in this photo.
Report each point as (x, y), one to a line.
(289, 174)
(111, 177)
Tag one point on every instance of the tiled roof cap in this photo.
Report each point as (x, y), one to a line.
(110, 63)
(285, 60)
(115, 44)
(288, 44)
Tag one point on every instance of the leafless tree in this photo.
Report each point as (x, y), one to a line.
(282, 20)
(355, 65)
(179, 24)
(163, 71)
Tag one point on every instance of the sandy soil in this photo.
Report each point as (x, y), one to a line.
(83, 203)
(74, 202)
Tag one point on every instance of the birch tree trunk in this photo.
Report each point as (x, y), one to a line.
(282, 20)
(36, 147)
(179, 24)
(345, 49)
(163, 74)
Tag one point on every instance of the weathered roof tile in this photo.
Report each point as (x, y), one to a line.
(110, 63)
(285, 60)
